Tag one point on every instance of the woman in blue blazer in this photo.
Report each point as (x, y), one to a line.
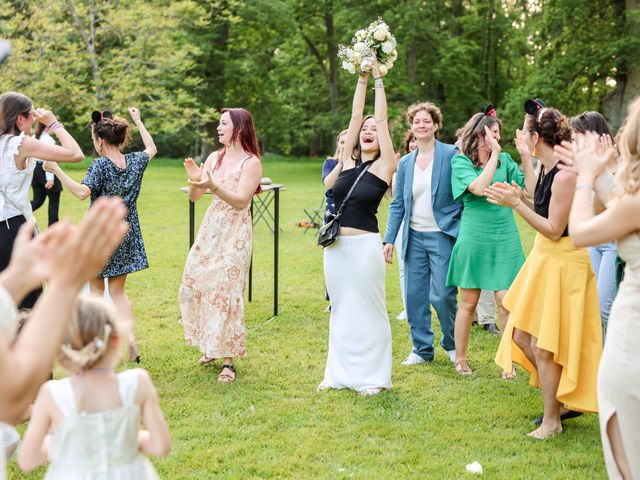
(430, 218)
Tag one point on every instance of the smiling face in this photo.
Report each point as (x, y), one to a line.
(530, 135)
(495, 133)
(225, 129)
(423, 126)
(369, 137)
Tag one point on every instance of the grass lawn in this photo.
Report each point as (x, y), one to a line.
(271, 423)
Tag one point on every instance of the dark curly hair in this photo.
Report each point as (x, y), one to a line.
(115, 131)
(550, 124)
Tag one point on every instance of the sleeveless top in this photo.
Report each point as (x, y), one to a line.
(15, 184)
(98, 445)
(362, 206)
(542, 195)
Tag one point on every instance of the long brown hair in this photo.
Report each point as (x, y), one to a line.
(629, 144)
(244, 130)
(472, 131)
(12, 105)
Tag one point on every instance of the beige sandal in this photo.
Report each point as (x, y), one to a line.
(509, 376)
(462, 367)
(204, 360)
(227, 376)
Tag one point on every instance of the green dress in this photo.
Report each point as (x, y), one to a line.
(487, 254)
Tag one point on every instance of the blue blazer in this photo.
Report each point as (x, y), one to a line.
(447, 212)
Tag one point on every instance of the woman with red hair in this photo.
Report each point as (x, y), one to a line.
(212, 290)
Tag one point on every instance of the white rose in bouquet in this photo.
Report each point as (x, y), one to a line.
(388, 46)
(369, 44)
(380, 34)
(349, 67)
(383, 70)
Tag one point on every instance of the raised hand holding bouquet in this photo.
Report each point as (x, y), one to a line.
(369, 44)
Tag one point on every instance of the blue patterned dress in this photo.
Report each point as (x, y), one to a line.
(106, 179)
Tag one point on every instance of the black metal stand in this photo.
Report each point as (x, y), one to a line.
(260, 210)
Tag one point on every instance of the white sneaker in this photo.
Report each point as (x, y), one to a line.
(413, 359)
(402, 315)
(451, 354)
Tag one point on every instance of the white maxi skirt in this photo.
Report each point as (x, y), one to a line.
(359, 332)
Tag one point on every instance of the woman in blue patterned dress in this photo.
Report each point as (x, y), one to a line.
(116, 174)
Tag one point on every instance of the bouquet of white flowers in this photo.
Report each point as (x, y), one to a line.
(369, 44)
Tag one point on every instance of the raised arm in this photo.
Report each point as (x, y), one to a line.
(249, 183)
(149, 145)
(387, 152)
(527, 164)
(67, 151)
(80, 190)
(357, 115)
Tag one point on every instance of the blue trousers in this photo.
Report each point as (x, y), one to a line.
(603, 261)
(425, 273)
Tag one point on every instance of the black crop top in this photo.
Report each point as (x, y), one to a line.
(362, 206)
(542, 195)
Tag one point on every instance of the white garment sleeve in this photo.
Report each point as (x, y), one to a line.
(8, 314)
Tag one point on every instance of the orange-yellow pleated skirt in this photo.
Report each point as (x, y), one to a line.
(554, 299)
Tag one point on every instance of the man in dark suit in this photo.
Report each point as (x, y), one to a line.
(45, 184)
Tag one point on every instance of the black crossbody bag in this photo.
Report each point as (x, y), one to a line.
(330, 230)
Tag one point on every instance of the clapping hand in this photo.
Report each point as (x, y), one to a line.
(521, 144)
(193, 170)
(50, 167)
(206, 183)
(501, 193)
(588, 154)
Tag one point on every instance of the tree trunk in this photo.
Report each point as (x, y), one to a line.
(487, 51)
(90, 45)
(332, 51)
(614, 105)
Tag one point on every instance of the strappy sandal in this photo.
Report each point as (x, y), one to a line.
(509, 375)
(226, 377)
(462, 367)
(204, 360)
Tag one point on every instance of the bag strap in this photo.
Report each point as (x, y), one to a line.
(344, 202)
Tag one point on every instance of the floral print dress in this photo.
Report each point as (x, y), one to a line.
(104, 178)
(211, 295)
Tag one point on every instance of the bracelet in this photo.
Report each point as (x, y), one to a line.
(584, 186)
(52, 126)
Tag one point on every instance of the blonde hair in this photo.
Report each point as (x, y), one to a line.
(92, 326)
(343, 132)
(629, 145)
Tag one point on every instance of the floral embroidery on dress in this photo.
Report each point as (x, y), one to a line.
(211, 295)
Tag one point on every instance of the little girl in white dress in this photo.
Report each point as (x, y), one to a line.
(88, 425)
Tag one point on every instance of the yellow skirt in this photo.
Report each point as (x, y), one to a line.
(554, 299)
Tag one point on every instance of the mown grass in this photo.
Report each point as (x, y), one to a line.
(271, 423)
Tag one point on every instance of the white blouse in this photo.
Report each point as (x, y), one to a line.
(422, 218)
(14, 183)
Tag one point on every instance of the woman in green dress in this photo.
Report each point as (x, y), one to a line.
(487, 254)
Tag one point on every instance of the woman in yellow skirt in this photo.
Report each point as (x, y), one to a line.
(554, 326)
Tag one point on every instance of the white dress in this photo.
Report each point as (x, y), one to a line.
(359, 354)
(619, 375)
(100, 445)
